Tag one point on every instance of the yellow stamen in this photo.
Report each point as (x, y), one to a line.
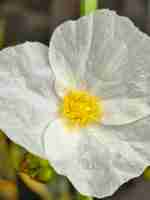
(80, 108)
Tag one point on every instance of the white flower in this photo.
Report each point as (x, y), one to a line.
(98, 136)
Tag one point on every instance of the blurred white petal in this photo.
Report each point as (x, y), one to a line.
(26, 97)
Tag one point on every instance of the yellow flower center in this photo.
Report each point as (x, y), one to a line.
(79, 108)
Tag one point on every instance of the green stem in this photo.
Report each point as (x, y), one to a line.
(88, 6)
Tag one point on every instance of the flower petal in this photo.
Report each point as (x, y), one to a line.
(60, 144)
(75, 47)
(123, 110)
(103, 161)
(125, 90)
(26, 98)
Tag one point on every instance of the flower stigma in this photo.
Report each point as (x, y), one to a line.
(79, 108)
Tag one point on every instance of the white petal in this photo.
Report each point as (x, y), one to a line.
(26, 98)
(122, 110)
(110, 55)
(96, 161)
(105, 163)
(126, 93)
(75, 47)
(60, 144)
(131, 77)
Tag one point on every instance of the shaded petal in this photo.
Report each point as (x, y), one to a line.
(26, 97)
(77, 45)
(60, 145)
(95, 160)
(131, 78)
(123, 110)
(111, 56)
(137, 132)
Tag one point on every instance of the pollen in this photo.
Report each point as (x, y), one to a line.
(80, 108)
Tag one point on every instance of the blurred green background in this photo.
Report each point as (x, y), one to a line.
(35, 20)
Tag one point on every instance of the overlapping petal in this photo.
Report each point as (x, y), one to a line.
(26, 97)
(61, 144)
(111, 56)
(98, 160)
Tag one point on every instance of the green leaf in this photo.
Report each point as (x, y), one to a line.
(146, 174)
(88, 6)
